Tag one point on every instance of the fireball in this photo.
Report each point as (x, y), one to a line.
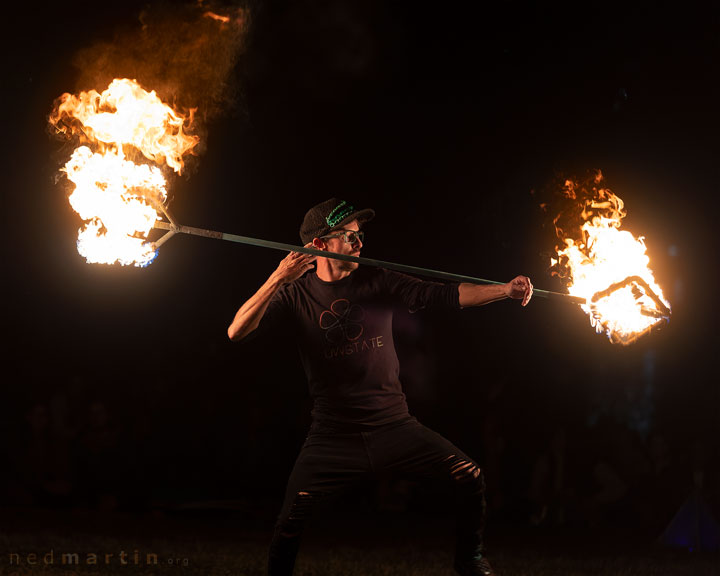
(607, 266)
(126, 136)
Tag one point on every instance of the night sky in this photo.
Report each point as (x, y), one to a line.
(452, 121)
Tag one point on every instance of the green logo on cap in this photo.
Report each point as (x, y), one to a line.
(338, 213)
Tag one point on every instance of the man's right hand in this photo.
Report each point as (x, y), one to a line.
(294, 265)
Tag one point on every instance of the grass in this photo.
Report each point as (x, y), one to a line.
(389, 545)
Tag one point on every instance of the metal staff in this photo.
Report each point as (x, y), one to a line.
(173, 228)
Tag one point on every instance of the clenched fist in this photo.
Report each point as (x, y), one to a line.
(519, 288)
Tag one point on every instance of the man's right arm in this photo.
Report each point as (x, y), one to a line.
(248, 317)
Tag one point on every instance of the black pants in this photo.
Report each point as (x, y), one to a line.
(333, 461)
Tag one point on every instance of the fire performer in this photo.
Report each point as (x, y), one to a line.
(342, 316)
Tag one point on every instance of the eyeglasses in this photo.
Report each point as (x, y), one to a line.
(349, 236)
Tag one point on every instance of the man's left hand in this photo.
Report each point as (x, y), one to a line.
(519, 288)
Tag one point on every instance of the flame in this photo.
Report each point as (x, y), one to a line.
(116, 196)
(218, 17)
(607, 266)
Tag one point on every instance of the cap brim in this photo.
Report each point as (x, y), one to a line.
(361, 216)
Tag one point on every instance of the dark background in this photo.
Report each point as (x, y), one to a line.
(120, 389)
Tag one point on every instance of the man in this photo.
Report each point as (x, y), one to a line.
(342, 318)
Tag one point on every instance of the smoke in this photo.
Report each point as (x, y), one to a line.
(188, 53)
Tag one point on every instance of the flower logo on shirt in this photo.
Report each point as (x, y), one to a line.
(342, 322)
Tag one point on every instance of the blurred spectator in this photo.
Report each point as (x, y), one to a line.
(97, 458)
(547, 484)
(40, 460)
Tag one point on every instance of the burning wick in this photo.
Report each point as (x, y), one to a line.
(115, 195)
(640, 290)
(606, 266)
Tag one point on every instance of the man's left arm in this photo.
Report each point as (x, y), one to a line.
(519, 288)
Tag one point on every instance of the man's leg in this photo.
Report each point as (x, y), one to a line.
(416, 451)
(327, 465)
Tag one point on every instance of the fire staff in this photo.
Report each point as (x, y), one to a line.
(341, 315)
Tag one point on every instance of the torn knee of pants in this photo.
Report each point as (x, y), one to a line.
(464, 471)
(300, 511)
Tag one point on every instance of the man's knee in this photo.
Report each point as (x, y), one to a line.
(290, 524)
(465, 473)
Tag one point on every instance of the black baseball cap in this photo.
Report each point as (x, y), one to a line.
(330, 214)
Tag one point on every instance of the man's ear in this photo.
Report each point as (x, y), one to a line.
(319, 244)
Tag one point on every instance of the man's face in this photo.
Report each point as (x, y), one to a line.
(340, 246)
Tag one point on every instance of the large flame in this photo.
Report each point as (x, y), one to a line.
(607, 266)
(116, 196)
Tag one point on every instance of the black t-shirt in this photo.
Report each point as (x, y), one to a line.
(344, 335)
